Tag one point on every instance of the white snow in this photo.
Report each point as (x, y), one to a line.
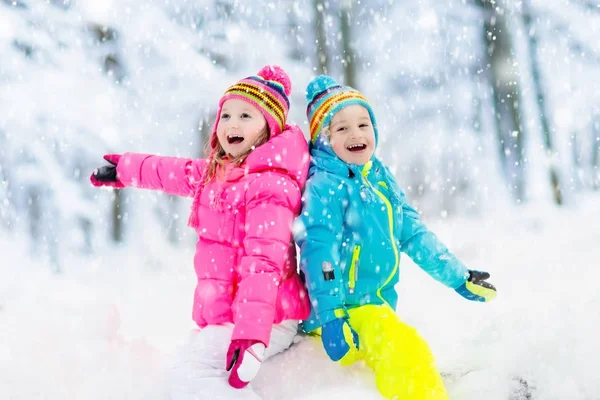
(108, 326)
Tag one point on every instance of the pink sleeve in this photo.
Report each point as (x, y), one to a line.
(272, 203)
(178, 176)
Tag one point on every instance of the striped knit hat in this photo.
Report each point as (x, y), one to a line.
(268, 91)
(325, 97)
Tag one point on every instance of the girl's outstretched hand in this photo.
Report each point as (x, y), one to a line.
(107, 174)
(476, 288)
(243, 360)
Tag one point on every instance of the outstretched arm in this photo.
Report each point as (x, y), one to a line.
(431, 255)
(428, 252)
(173, 175)
(424, 247)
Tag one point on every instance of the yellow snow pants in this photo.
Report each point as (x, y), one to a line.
(401, 359)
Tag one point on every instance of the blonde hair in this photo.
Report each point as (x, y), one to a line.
(217, 156)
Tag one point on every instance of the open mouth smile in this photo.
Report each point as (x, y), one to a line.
(234, 139)
(356, 147)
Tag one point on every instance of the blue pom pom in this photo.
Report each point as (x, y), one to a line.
(318, 85)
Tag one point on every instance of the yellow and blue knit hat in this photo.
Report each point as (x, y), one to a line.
(325, 97)
(268, 91)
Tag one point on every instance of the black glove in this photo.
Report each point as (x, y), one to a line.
(476, 288)
(107, 175)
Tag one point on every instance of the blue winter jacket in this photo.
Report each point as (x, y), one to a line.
(354, 224)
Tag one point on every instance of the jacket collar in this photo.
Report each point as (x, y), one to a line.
(286, 152)
(324, 158)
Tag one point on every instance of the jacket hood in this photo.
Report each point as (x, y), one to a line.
(287, 152)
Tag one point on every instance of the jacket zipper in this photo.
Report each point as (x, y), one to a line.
(390, 212)
(354, 269)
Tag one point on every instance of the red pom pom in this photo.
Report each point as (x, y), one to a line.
(277, 74)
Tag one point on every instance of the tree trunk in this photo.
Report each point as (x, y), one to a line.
(295, 35)
(349, 58)
(539, 92)
(117, 216)
(205, 126)
(35, 219)
(505, 83)
(7, 219)
(111, 64)
(322, 59)
(596, 154)
(168, 211)
(114, 68)
(478, 113)
(44, 225)
(53, 229)
(576, 171)
(87, 226)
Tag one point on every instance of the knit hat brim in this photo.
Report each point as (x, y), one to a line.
(268, 91)
(326, 97)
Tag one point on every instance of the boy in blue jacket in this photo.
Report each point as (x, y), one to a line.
(354, 224)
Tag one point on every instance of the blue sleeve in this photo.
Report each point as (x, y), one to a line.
(425, 249)
(318, 233)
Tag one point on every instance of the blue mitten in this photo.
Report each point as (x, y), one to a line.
(476, 288)
(338, 338)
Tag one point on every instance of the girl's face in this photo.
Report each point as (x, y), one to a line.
(351, 135)
(239, 126)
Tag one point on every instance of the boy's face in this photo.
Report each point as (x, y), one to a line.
(239, 126)
(351, 135)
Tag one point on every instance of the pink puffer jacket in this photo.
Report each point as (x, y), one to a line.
(245, 257)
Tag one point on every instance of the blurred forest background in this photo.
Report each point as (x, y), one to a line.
(482, 105)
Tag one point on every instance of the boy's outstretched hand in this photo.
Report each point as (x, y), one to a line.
(476, 288)
(107, 175)
(338, 338)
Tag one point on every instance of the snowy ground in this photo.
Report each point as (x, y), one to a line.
(107, 327)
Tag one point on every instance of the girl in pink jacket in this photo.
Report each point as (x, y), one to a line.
(246, 194)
